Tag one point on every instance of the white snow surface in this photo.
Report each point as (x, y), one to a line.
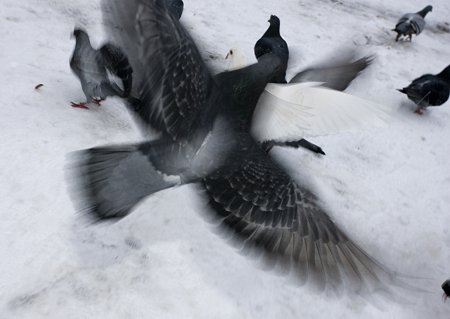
(388, 187)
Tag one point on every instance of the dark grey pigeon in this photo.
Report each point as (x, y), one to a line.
(176, 7)
(411, 23)
(272, 42)
(429, 90)
(92, 66)
(203, 125)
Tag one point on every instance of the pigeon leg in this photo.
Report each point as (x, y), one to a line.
(81, 105)
(398, 37)
(419, 111)
(97, 101)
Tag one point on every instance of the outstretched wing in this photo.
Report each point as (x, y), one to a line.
(293, 111)
(337, 76)
(172, 82)
(270, 212)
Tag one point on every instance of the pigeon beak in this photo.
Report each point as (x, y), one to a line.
(228, 54)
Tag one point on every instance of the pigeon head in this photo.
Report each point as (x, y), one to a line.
(274, 20)
(78, 32)
(425, 10)
(236, 58)
(445, 74)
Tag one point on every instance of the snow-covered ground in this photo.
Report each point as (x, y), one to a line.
(389, 187)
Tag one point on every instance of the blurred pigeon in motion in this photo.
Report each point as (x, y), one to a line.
(287, 112)
(336, 75)
(411, 23)
(176, 7)
(271, 41)
(446, 287)
(429, 90)
(95, 67)
(204, 137)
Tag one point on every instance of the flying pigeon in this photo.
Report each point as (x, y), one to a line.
(92, 66)
(271, 41)
(429, 90)
(204, 139)
(286, 113)
(411, 23)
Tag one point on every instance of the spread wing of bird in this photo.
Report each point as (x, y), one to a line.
(271, 213)
(336, 76)
(292, 111)
(171, 81)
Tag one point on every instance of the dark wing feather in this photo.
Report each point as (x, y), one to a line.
(270, 212)
(337, 76)
(117, 63)
(175, 85)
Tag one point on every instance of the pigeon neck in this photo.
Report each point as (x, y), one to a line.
(83, 39)
(445, 74)
(424, 11)
(272, 31)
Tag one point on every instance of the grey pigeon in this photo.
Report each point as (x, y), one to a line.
(429, 90)
(411, 23)
(91, 66)
(203, 125)
(272, 42)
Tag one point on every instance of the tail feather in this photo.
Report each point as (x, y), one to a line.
(107, 182)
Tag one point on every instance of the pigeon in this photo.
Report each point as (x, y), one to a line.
(176, 7)
(411, 23)
(92, 66)
(271, 41)
(446, 287)
(204, 138)
(429, 90)
(287, 112)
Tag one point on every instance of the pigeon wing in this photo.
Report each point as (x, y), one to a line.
(337, 77)
(173, 83)
(117, 63)
(269, 212)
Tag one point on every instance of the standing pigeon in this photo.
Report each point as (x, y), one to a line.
(92, 66)
(411, 23)
(429, 90)
(204, 137)
(271, 41)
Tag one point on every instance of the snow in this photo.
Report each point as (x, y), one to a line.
(389, 187)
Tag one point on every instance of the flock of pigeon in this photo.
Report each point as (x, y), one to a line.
(206, 136)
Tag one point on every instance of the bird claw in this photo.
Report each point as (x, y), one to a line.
(418, 111)
(81, 105)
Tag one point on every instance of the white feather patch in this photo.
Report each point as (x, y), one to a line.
(294, 111)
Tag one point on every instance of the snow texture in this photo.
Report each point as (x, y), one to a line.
(388, 187)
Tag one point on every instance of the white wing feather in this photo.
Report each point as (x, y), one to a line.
(294, 111)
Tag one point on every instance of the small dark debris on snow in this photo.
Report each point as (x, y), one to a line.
(38, 86)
